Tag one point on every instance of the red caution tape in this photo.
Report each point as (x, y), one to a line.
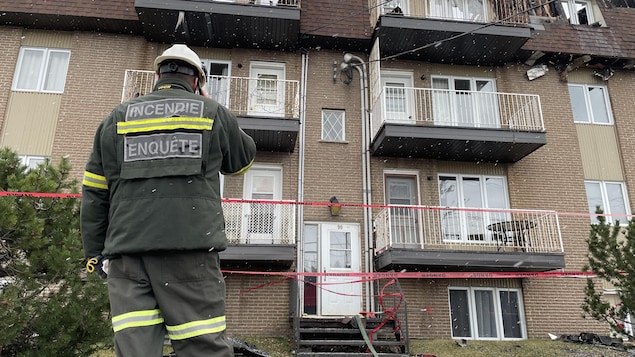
(426, 275)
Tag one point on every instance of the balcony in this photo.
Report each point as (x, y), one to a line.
(265, 24)
(424, 238)
(267, 109)
(456, 125)
(475, 32)
(260, 235)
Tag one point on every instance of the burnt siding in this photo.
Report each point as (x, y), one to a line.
(616, 40)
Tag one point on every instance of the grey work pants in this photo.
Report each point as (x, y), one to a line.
(182, 293)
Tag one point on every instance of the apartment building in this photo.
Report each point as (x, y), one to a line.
(441, 136)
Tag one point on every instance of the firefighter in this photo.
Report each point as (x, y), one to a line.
(151, 216)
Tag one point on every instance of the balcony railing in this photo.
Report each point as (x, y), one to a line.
(256, 96)
(242, 95)
(256, 222)
(425, 106)
(473, 229)
(503, 11)
(292, 3)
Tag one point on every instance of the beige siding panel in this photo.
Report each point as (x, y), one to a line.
(418, 8)
(31, 123)
(50, 39)
(470, 168)
(584, 76)
(600, 152)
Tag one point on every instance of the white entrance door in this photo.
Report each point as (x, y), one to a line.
(266, 89)
(340, 253)
(398, 96)
(261, 220)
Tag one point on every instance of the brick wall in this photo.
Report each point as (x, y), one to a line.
(10, 38)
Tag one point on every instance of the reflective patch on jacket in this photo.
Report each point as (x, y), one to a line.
(162, 146)
(163, 108)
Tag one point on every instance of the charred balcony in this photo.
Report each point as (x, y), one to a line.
(264, 24)
(473, 32)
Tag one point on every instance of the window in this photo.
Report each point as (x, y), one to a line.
(590, 104)
(467, 10)
(578, 12)
(41, 70)
(486, 313)
(31, 162)
(612, 199)
(333, 125)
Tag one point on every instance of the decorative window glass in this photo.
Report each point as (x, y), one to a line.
(590, 104)
(41, 70)
(333, 128)
(611, 198)
(487, 313)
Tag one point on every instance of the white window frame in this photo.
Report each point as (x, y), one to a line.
(42, 71)
(588, 106)
(32, 161)
(341, 118)
(498, 313)
(464, 217)
(606, 207)
(224, 81)
(570, 8)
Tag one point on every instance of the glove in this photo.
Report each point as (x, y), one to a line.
(98, 265)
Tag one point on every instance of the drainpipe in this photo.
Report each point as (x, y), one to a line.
(360, 65)
(300, 208)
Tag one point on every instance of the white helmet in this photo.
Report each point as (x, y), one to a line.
(182, 53)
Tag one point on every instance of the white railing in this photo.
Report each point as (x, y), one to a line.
(451, 228)
(256, 222)
(443, 107)
(256, 96)
(242, 95)
(137, 83)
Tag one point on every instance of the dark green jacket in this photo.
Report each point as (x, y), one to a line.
(152, 180)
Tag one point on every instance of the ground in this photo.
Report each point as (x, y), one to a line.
(283, 347)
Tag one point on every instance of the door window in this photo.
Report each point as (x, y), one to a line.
(467, 102)
(475, 192)
(465, 10)
(218, 80)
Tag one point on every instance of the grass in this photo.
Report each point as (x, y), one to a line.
(283, 347)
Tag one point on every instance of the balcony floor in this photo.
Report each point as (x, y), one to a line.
(447, 260)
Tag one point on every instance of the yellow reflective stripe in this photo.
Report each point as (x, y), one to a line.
(244, 169)
(137, 319)
(196, 328)
(94, 180)
(145, 125)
